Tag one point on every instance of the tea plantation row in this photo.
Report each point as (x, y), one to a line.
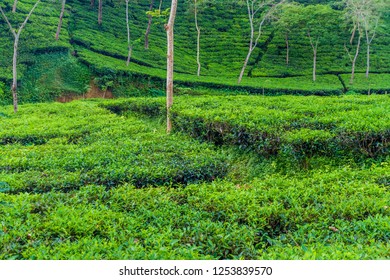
(65, 147)
(328, 213)
(78, 182)
(292, 126)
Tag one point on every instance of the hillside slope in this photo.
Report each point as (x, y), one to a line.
(224, 43)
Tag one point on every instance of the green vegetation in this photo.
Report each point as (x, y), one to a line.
(277, 167)
(66, 147)
(224, 44)
(379, 83)
(78, 182)
(296, 126)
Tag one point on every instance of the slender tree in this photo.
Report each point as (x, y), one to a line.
(150, 19)
(365, 16)
(100, 12)
(92, 3)
(14, 6)
(352, 15)
(129, 47)
(170, 59)
(357, 49)
(259, 11)
(198, 37)
(287, 23)
(16, 35)
(60, 20)
(160, 5)
(317, 22)
(370, 15)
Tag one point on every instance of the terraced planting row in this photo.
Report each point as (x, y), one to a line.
(295, 126)
(328, 213)
(78, 182)
(64, 147)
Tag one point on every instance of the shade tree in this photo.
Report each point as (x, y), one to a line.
(16, 34)
(259, 13)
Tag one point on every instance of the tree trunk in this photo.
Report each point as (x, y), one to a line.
(159, 7)
(314, 47)
(314, 64)
(100, 12)
(149, 26)
(60, 22)
(355, 59)
(287, 50)
(368, 60)
(170, 60)
(15, 74)
(198, 40)
(254, 41)
(14, 6)
(15, 55)
(92, 3)
(245, 64)
(128, 34)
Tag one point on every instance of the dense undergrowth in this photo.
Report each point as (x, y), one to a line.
(79, 182)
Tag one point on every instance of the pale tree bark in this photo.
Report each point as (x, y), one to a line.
(354, 59)
(368, 42)
(170, 60)
(129, 47)
(314, 46)
(367, 13)
(60, 21)
(198, 38)
(254, 7)
(15, 55)
(287, 50)
(14, 6)
(100, 12)
(159, 7)
(150, 18)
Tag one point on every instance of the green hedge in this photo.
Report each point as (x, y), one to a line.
(297, 126)
(57, 146)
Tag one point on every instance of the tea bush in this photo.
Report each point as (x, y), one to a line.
(296, 126)
(60, 148)
(328, 213)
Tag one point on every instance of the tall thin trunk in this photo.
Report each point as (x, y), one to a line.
(252, 11)
(128, 34)
(245, 64)
(356, 56)
(170, 59)
(15, 73)
(159, 7)
(314, 47)
(15, 55)
(368, 60)
(100, 12)
(60, 21)
(150, 18)
(314, 64)
(287, 50)
(92, 3)
(369, 41)
(198, 39)
(14, 6)
(355, 26)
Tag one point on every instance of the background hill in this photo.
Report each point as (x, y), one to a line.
(47, 68)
